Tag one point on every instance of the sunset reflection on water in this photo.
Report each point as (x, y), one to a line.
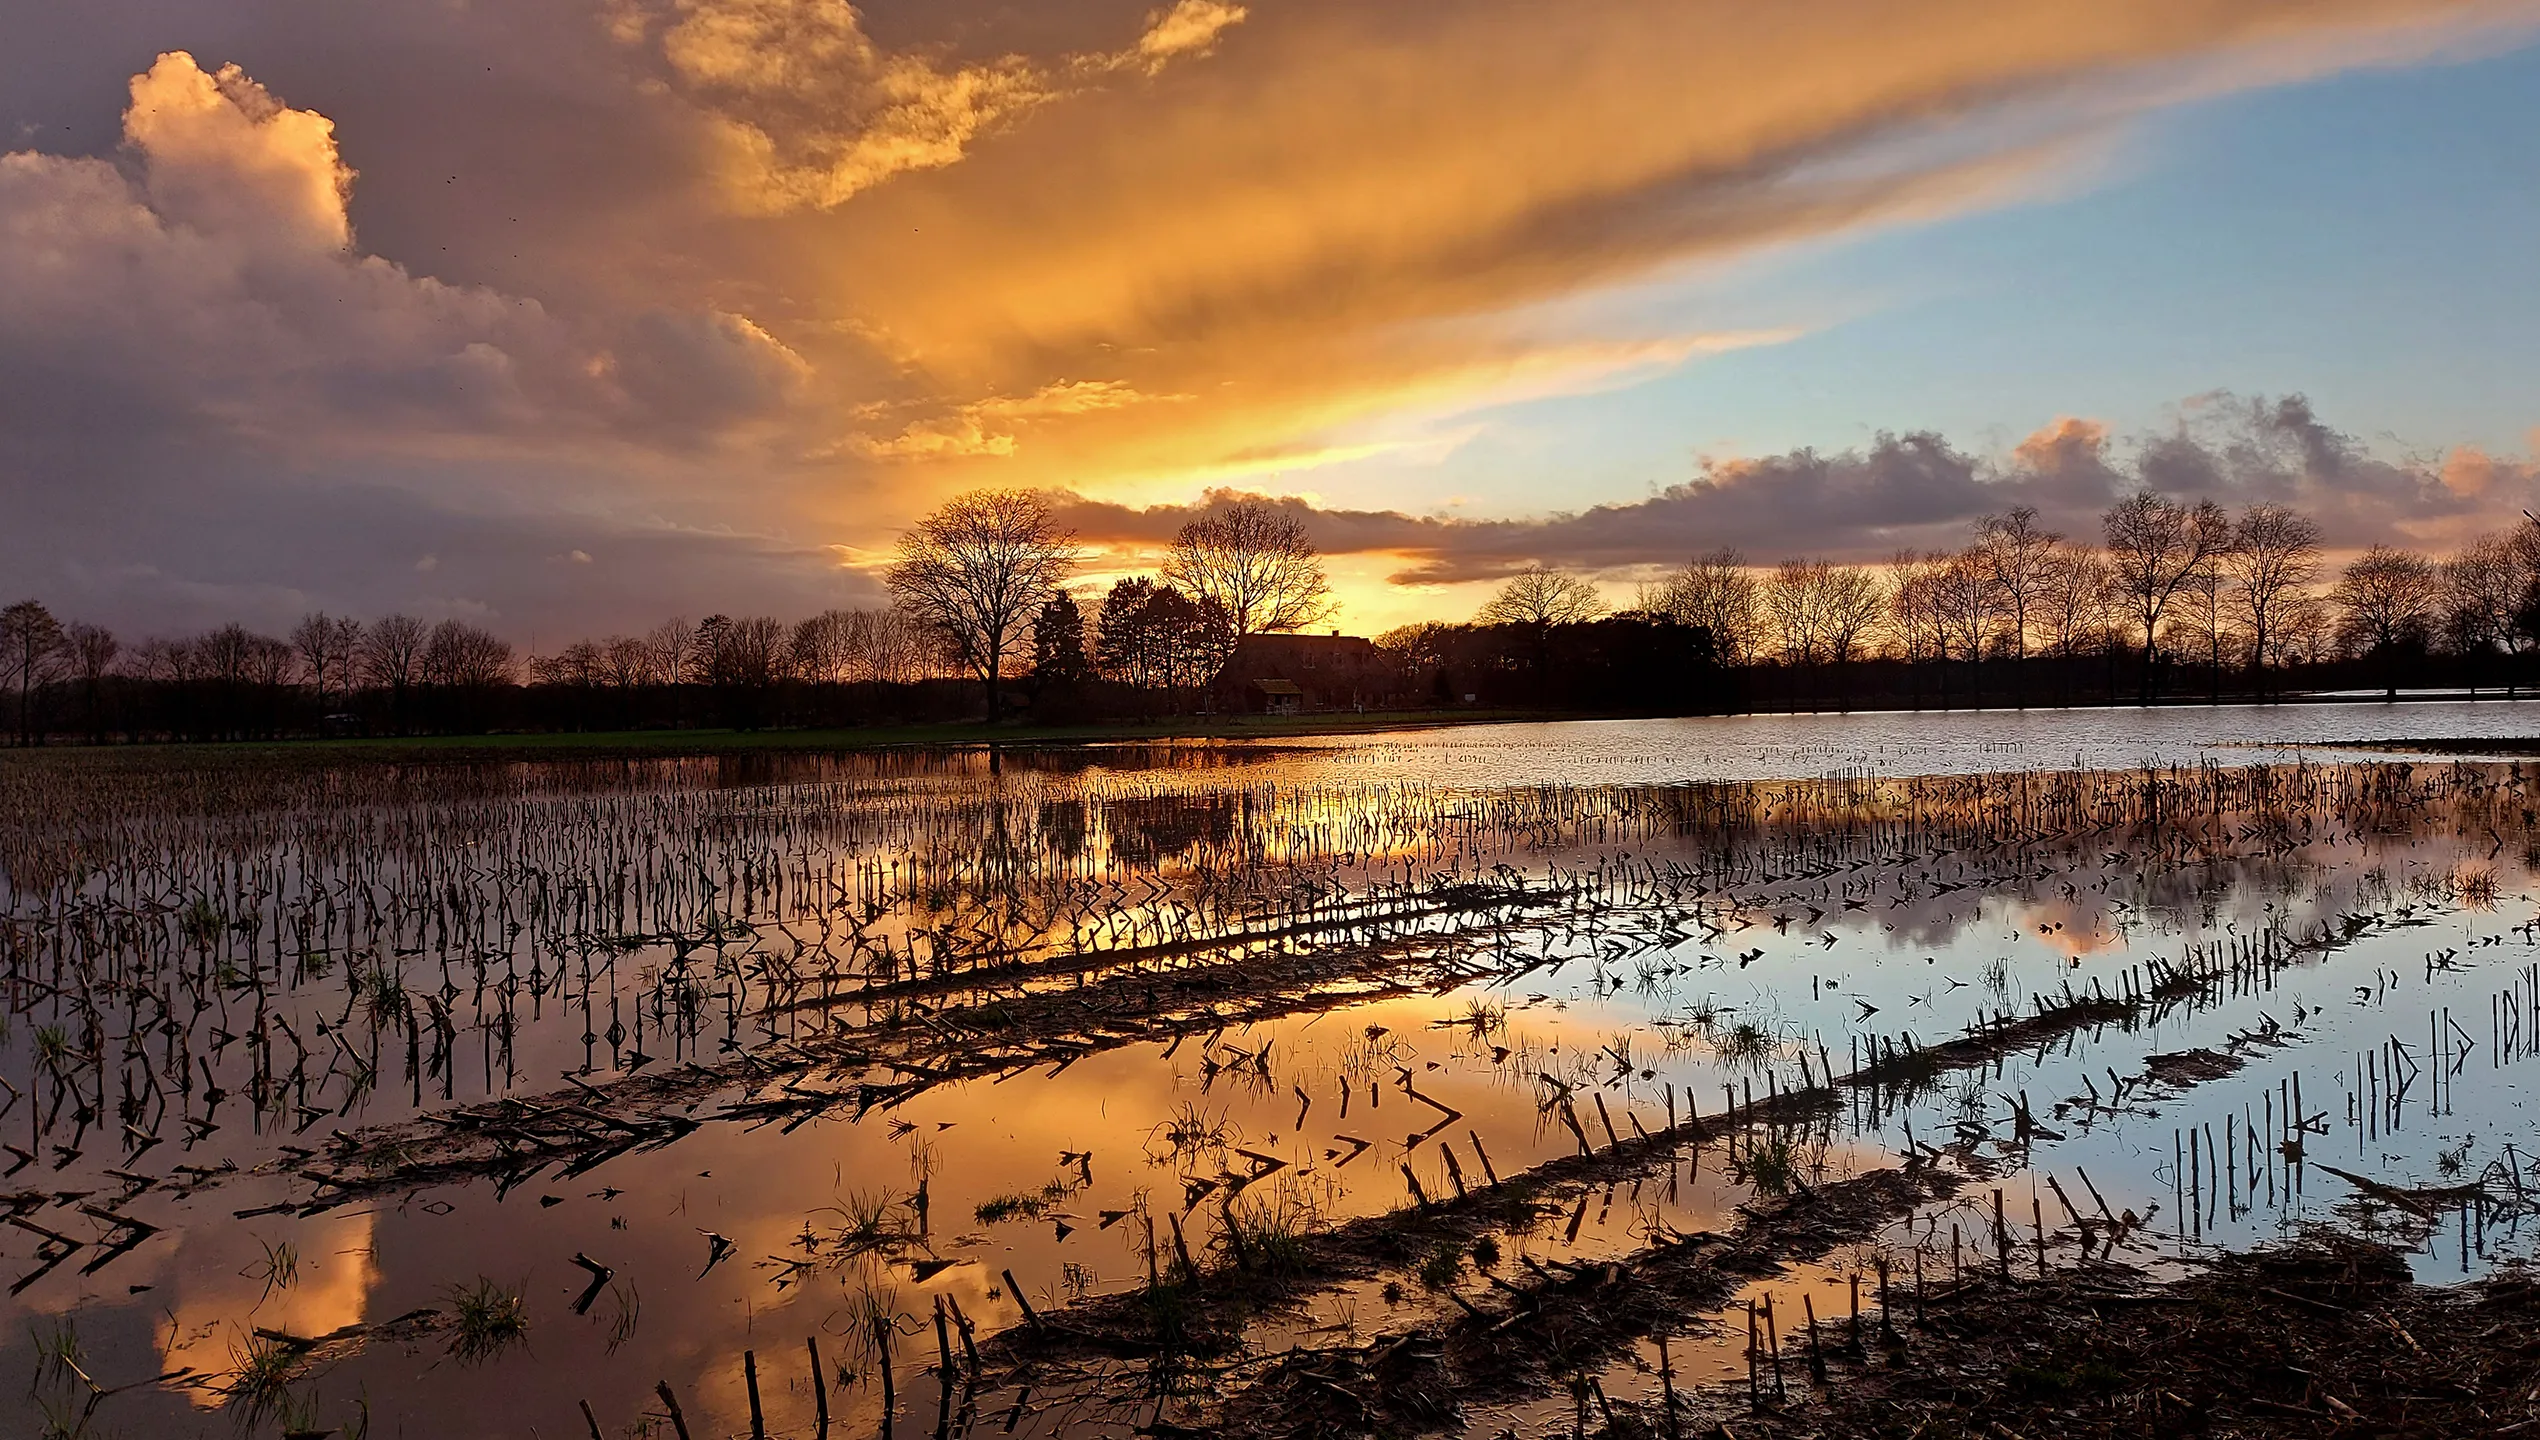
(1460, 970)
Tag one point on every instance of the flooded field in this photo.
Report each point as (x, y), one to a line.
(1496, 1078)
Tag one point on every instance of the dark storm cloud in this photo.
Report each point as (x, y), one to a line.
(224, 405)
(172, 554)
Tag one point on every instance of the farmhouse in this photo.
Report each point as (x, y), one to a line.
(1298, 674)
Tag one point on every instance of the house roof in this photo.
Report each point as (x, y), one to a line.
(1291, 643)
(1277, 687)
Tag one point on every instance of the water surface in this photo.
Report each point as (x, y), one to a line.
(266, 1015)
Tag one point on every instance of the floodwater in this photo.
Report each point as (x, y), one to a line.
(708, 1064)
(1895, 742)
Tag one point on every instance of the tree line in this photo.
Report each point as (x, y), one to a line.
(987, 576)
(2172, 599)
(980, 601)
(2176, 599)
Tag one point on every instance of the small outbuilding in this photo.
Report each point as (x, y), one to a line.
(1277, 697)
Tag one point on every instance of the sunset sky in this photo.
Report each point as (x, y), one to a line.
(569, 315)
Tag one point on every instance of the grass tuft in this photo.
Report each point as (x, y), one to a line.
(488, 1319)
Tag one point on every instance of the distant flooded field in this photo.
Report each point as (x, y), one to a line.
(1399, 1082)
(1903, 742)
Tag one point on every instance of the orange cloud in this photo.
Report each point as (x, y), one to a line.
(2060, 446)
(807, 111)
(1360, 220)
(987, 427)
(829, 270)
(223, 150)
(228, 1288)
(1191, 27)
(2472, 473)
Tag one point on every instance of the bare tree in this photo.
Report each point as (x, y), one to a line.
(313, 640)
(2308, 629)
(1968, 615)
(817, 649)
(90, 651)
(347, 644)
(1821, 612)
(674, 646)
(892, 648)
(976, 573)
(1127, 643)
(743, 660)
(1419, 646)
(1853, 601)
(31, 651)
(2385, 601)
(2491, 598)
(2523, 627)
(1716, 592)
(327, 648)
(625, 662)
(846, 646)
(878, 646)
(749, 652)
(1154, 636)
(2474, 606)
(1794, 599)
(2273, 560)
(707, 647)
(2074, 606)
(582, 665)
(269, 662)
(2018, 558)
(245, 674)
(1913, 622)
(2155, 546)
(1254, 562)
(392, 658)
(459, 656)
(164, 662)
(2201, 600)
(226, 655)
(1540, 596)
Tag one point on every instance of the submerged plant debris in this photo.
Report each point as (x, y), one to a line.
(1257, 1091)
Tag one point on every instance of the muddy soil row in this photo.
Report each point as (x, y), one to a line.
(1556, 1322)
(2326, 1336)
